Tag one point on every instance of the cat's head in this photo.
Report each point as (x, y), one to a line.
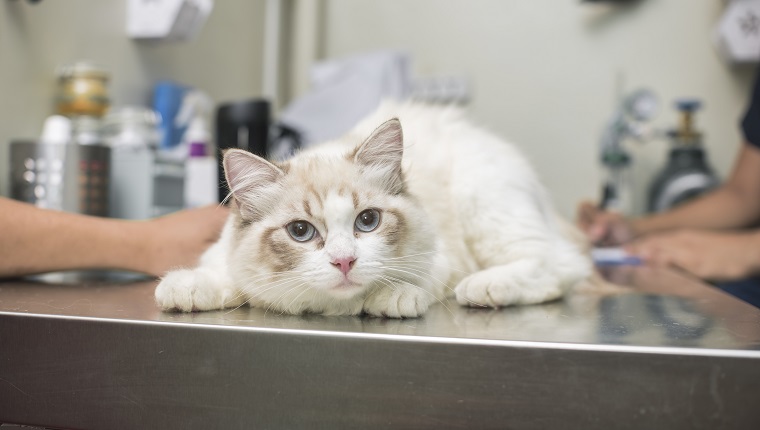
(327, 224)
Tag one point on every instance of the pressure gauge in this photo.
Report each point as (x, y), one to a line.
(641, 105)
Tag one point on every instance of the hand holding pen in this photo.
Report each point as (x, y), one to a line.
(603, 227)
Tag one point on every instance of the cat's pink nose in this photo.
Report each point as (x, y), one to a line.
(344, 264)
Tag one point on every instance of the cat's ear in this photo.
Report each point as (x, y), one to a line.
(253, 181)
(380, 155)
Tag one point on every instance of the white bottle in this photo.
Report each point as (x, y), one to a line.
(132, 134)
(201, 186)
(56, 130)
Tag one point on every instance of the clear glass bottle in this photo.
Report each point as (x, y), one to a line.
(132, 133)
(82, 90)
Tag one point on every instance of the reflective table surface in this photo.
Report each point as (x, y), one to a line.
(659, 350)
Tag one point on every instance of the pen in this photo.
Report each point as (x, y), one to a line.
(608, 194)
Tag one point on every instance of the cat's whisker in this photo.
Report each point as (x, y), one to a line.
(282, 294)
(296, 298)
(418, 273)
(280, 299)
(253, 279)
(271, 274)
(245, 292)
(420, 288)
(226, 199)
(389, 283)
(277, 284)
(289, 273)
(417, 270)
(236, 307)
(412, 255)
(406, 258)
(240, 293)
(436, 264)
(411, 272)
(385, 281)
(257, 292)
(262, 288)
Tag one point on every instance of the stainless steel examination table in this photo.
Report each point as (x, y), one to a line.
(666, 351)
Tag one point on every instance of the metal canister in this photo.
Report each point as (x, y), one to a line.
(68, 177)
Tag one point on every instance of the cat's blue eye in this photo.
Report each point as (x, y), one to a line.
(301, 231)
(368, 220)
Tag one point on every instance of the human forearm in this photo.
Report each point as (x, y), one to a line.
(735, 204)
(34, 240)
(725, 208)
(37, 241)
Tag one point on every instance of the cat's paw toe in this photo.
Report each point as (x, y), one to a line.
(396, 303)
(174, 292)
(187, 291)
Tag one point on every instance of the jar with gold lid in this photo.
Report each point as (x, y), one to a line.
(82, 90)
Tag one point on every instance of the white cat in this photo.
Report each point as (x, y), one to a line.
(385, 222)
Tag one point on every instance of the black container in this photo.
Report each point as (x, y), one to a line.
(244, 125)
(686, 175)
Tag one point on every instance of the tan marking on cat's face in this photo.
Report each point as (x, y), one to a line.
(307, 208)
(311, 190)
(355, 197)
(394, 226)
(278, 250)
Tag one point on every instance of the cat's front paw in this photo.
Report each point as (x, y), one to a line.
(518, 283)
(402, 301)
(190, 290)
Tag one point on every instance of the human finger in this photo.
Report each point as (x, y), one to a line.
(594, 222)
(648, 250)
(586, 214)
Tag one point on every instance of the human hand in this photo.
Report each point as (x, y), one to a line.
(603, 227)
(715, 256)
(178, 239)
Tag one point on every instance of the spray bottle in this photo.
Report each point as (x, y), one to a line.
(200, 186)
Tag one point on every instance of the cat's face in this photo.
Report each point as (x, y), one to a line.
(327, 225)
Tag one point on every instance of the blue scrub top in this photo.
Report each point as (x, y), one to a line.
(751, 122)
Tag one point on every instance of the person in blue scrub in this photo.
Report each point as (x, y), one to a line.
(714, 237)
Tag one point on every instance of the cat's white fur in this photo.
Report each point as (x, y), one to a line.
(482, 228)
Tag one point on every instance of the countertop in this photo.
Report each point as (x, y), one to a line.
(661, 351)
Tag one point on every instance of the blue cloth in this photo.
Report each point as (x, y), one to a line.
(748, 289)
(751, 122)
(167, 101)
(744, 289)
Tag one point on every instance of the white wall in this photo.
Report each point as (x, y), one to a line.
(225, 60)
(544, 71)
